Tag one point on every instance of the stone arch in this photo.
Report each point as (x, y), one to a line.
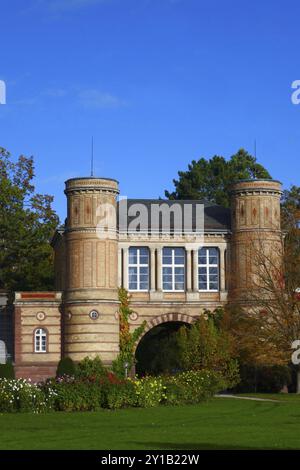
(166, 318)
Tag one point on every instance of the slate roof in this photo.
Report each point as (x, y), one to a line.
(216, 218)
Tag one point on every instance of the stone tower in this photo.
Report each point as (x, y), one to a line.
(90, 322)
(255, 206)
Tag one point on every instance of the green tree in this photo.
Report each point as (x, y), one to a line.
(211, 179)
(27, 222)
(206, 345)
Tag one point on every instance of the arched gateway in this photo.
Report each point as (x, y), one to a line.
(168, 318)
(154, 349)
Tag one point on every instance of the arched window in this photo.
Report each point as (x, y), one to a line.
(40, 341)
(208, 269)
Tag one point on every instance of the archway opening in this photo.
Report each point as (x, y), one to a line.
(157, 352)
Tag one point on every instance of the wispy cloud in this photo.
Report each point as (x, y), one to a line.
(26, 101)
(88, 98)
(40, 97)
(96, 99)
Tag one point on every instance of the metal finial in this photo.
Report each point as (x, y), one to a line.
(92, 158)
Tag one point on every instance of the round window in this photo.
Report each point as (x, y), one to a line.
(94, 315)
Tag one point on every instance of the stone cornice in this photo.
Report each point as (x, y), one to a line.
(257, 192)
(139, 236)
(92, 185)
(257, 187)
(186, 238)
(92, 190)
(180, 303)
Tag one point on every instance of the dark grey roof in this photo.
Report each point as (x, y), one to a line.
(216, 218)
(92, 178)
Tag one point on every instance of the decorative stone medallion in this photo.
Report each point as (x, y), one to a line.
(40, 316)
(133, 316)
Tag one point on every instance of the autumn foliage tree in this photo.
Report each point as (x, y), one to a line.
(128, 338)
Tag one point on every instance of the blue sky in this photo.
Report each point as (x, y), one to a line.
(156, 82)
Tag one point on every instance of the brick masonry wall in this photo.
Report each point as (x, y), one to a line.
(33, 311)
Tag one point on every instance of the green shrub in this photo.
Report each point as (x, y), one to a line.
(274, 378)
(184, 388)
(22, 396)
(79, 396)
(231, 374)
(174, 393)
(121, 395)
(193, 387)
(96, 388)
(205, 345)
(118, 365)
(149, 391)
(263, 379)
(91, 369)
(66, 366)
(7, 371)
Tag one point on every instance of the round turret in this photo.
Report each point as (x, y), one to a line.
(91, 287)
(255, 215)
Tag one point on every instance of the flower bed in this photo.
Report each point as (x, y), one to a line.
(112, 393)
(69, 393)
(21, 396)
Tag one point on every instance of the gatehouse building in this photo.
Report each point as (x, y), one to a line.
(172, 276)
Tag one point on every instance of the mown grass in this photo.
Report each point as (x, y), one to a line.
(221, 423)
(281, 397)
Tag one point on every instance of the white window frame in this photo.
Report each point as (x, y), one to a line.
(138, 267)
(39, 334)
(207, 265)
(173, 266)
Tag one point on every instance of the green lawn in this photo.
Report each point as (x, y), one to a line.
(222, 423)
(281, 397)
